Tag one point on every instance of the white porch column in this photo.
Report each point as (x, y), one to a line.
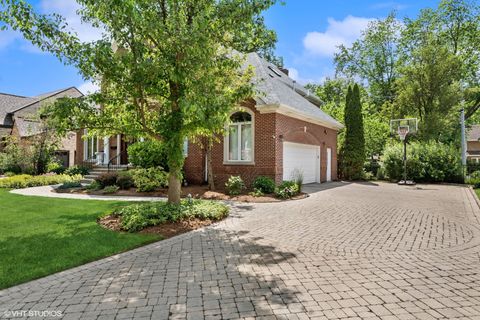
(119, 144)
(106, 150)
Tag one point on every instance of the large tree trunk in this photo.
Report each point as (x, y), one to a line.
(174, 186)
(211, 182)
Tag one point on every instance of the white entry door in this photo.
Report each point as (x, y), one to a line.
(329, 164)
(301, 157)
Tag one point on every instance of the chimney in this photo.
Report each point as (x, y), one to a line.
(284, 70)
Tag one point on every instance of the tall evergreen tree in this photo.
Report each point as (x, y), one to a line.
(353, 149)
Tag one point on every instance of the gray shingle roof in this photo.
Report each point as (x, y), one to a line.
(276, 88)
(18, 105)
(473, 134)
(8, 103)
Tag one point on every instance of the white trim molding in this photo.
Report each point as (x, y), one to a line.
(226, 140)
(294, 113)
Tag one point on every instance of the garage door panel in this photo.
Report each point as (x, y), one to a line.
(303, 157)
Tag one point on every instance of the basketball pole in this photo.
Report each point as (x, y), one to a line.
(464, 144)
(405, 159)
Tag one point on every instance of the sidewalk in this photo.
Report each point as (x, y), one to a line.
(47, 191)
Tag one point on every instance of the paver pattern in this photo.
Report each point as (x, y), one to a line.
(349, 251)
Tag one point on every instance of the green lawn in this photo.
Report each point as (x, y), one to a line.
(41, 236)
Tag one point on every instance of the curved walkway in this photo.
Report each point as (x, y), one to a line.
(47, 191)
(356, 251)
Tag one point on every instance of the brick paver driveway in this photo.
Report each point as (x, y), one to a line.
(348, 251)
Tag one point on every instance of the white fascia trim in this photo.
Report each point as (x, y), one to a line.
(294, 113)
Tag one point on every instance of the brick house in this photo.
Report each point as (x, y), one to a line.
(473, 143)
(18, 118)
(281, 131)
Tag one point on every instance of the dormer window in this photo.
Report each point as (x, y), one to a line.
(239, 140)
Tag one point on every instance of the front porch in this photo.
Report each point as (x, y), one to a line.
(106, 151)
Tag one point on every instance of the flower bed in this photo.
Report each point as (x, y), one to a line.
(25, 180)
(187, 215)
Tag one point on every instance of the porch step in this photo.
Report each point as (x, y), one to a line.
(98, 170)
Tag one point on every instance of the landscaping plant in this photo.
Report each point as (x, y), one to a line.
(107, 179)
(151, 179)
(352, 152)
(125, 180)
(69, 185)
(148, 154)
(264, 184)
(136, 217)
(235, 185)
(110, 189)
(287, 190)
(76, 169)
(26, 180)
(426, 162)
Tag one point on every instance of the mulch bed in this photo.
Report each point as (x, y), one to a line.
(197, 192)
(166, 230)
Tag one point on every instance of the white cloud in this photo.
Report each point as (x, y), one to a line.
(68, 9)
(338, 32)
(88, 87)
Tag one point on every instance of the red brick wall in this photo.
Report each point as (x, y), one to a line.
(270, 131)
(293, 130)
(264, 155)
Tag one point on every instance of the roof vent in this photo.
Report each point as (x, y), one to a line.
(275, 71)
(294, 85)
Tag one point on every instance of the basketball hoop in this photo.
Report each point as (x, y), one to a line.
(403, 131)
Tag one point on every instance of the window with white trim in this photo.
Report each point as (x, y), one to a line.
(240, 137)
(90, 147)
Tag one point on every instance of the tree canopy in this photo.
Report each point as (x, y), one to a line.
(161, 65)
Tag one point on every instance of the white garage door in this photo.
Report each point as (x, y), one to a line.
(302, 157)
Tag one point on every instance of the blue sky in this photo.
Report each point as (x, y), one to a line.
(308, 33)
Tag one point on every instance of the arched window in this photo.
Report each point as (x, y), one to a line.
(239, 142)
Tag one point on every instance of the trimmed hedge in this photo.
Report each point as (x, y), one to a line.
(136, 217)
(148, 154)
(426, 162)
(26, 180)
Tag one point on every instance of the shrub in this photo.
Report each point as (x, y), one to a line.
(150, 179)
(287, 190)
(26, 181)
(110, 189)
(136, 217)
(264, 184)
(124, 180)
(256, 193)
(475, 182)
(235, 185)
(70, 185)
(94, 186)
(74, 170)
(10, 174)
(475, 175)
(107, 179)
(148, 154)
(426, 162)
(55, 167)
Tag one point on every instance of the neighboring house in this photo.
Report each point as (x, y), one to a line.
(281, 131)
(473, 143)
(18, 118)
